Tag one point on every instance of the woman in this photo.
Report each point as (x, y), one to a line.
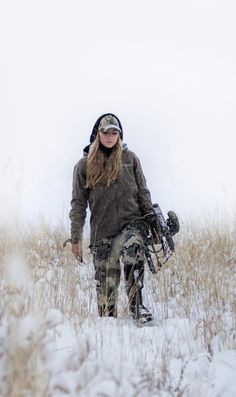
(110, 180)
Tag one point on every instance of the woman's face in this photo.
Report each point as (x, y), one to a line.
(109, 138)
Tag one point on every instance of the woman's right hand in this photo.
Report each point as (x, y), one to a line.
(77, 251)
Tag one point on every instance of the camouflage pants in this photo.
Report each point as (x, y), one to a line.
(129, 247)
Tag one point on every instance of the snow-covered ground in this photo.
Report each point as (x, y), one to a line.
(53, 344)
(115, 358)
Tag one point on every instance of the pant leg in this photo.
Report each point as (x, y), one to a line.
(133, 257)
(107, 275)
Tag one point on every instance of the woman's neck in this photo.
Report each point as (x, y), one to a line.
(106, 150)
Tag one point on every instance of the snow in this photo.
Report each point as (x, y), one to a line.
(114, 357)
(188, 351)
(222, 374)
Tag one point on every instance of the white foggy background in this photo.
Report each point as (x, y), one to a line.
(166, 68)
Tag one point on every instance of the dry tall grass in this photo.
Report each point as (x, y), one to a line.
(37, 274)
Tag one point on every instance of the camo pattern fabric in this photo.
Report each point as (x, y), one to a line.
(128, 246)
(107, 121)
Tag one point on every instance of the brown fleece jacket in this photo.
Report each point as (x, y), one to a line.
(111, 207)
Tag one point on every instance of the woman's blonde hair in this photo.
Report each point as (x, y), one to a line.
(99, 170)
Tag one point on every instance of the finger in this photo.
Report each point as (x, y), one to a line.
(78, 256)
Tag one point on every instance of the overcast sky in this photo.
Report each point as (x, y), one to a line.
(166, 68)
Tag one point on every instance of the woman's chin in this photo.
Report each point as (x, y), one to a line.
(109, 145)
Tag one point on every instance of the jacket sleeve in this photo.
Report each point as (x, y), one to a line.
(144, 196)
(79, 202)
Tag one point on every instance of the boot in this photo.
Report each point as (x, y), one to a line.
(141, 313)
